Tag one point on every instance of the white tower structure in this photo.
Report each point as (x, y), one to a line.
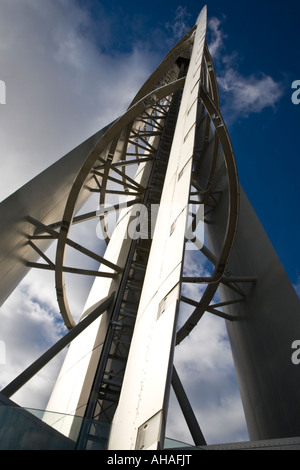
(169, 162)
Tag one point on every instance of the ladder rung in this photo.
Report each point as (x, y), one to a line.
(112, 382)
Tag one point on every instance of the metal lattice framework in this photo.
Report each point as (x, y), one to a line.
(126, 169)
(139, 143)
(127, 144)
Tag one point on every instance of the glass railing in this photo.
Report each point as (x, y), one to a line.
(31, 429)
(86, 434)
(22, 430)
(173, 444)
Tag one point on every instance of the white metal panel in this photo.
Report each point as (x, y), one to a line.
(44, 199)
(141, 407)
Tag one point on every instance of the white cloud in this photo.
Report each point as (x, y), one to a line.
(204, 364)
(30, 324)
(209, 380)
(180, 25)
(241, 95)
(251, 94)
(60, 86)
(216, 41)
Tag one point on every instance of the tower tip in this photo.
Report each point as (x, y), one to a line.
(202, 13)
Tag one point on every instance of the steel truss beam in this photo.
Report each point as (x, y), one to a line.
(36, 366)
(135, 141)
(187, 410)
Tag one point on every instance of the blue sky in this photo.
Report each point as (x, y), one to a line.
(71, 66)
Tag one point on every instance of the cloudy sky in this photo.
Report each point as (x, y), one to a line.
(67, 68)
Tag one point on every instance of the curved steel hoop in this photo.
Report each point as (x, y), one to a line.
(107, 166)
(102, 150)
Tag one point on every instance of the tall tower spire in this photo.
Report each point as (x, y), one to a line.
(167, 168)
